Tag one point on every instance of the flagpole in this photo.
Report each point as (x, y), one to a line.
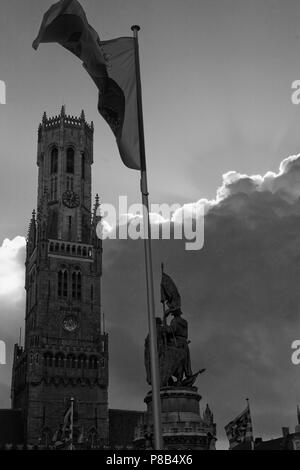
(71, 424)
(252, 440)
(155, 379)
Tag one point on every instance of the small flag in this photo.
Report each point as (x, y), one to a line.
(110, 64)
(169, 293)
(240, 429)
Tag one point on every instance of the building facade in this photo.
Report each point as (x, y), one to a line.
(65, 353)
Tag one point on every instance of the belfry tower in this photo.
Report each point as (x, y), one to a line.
(65, 354)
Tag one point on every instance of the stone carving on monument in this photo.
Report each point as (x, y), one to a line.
(172, 341)
(183, 426)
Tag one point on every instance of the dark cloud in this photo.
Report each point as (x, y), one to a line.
(240, 295)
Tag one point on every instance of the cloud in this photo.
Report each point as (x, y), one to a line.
(12, 268)
(12, 306)
(240, 295)
(284, 184)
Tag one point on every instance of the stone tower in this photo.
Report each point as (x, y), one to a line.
(65, 354)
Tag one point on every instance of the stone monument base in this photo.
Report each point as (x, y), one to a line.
(183, 427)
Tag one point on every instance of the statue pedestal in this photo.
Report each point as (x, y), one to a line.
(183, 427)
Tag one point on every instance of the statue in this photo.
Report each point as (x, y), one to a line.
(172, 341)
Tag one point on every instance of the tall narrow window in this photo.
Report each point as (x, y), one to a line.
(65, 284)
(74, 276)
(59, 284)
(83, 165)
(70, 184)
(54, 161)
(70, 160)
(53, 189)
(79, 286)
(76, 284)
(62, 284)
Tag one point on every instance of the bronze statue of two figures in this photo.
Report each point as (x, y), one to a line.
(172, 341)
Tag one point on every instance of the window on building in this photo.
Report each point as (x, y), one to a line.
(69, 220)
(53, 188)
(54, 161)
(65, 284)
(70, 184)
(70, 160)
(59, 284)
(76, 284)
(62, 284)
(83, 165)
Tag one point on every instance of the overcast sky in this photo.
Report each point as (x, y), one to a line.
(217, 78)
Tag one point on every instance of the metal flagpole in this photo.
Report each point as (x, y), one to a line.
(71, 423)
(155, 380)
(163, 303)
(252, 441)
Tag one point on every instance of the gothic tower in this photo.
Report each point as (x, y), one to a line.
(65, 354)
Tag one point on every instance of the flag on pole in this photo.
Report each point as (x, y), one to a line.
(240, 429)
(169, 292)
(110, 64)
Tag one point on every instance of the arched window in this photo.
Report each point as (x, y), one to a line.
(70, 183)
(62, 284)
(76, 284)
(70, 160)
(59, 283)
(83, 165)
(54, 161)
(65, 284)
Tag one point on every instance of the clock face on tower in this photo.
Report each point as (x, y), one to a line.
(70, 323)
(70, 199)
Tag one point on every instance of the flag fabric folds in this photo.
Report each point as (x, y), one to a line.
(110, 64)
(240, 429)
(169, 292)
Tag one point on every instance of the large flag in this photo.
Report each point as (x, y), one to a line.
(111, 65)
(169, 292)
(240, 429)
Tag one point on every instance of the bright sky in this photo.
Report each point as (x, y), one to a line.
(216, 81)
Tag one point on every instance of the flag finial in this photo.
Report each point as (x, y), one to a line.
(135, 27)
